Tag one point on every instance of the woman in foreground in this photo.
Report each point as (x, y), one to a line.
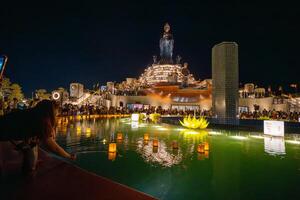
(26, 129)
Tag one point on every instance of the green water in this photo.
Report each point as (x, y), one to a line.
(238, 165)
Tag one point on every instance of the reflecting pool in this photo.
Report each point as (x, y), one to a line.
(169, 162)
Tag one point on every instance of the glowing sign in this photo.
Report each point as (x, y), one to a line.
(274, 128)
(55, 95)
(135, 117)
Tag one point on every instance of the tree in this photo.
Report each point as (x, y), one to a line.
(42, 94)
(6, 90)
(10, 90)
(16, 92)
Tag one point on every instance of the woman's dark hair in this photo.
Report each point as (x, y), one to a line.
(46, 110)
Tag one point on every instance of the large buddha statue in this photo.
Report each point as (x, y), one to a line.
(166, 45)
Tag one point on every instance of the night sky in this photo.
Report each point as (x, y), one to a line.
(51, 45)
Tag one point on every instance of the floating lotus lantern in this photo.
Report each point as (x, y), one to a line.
(194, 123)
(119, 136)
(112, 147)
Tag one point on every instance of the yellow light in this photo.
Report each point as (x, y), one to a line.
(112, 156)
(88, 130)
(78, 131)
(257, 136)
(238, 137)
(64, 129)
(146, 136)
(88, 133)
(155, 143)
(112, 147)
(119, 136)
(206, 154)
(206, 146)
(214, 133)
(104, 141)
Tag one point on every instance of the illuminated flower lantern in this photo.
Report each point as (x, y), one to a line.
(200, 148)
(155, 142)
(194, 123)
(119, 136)
(146, 136)
(175, 144)
(206, 146)
(112, 148)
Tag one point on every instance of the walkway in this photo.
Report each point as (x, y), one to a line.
(57, 179)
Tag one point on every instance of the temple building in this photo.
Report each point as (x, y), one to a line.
(166, 83)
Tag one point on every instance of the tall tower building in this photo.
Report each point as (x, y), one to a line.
(225, 82)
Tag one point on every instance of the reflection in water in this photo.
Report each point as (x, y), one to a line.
(274, 145)
(239, 137)
(203, 156)
(112, 156)
(222, 172)
(134, 125)
(187, 132)
(158, 155)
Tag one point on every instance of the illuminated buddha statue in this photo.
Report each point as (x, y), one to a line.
(166, 45)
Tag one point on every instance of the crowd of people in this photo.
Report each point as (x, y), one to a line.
(72, 110)
(25, 129)
(271, 114)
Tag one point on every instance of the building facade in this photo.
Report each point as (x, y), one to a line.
(225, 82)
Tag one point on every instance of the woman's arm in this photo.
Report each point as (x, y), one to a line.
(55, 148)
